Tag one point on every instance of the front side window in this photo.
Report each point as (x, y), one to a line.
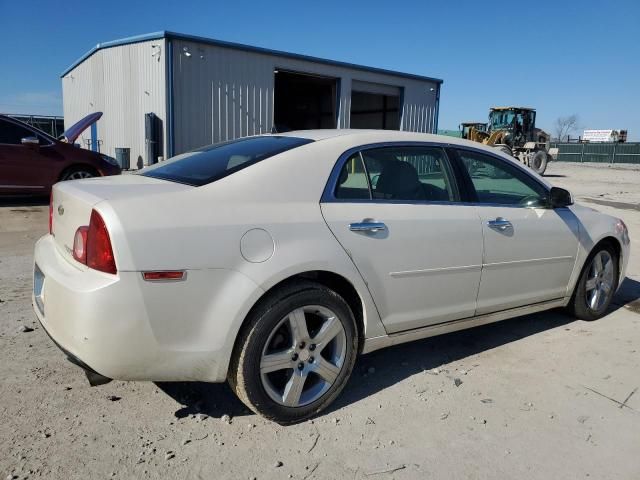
(12, 134)
(412, 173)
(496, 182)
(208, 164)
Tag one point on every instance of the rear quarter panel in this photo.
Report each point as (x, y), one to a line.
(201, 228)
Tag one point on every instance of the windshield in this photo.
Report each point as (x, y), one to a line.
(208, 164)
(502, 119)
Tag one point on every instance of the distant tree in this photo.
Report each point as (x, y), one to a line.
(565, 126)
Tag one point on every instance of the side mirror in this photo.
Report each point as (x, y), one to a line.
(30, 142)
(559, 197)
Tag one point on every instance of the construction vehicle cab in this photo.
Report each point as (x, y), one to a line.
(519, 123)
(466, 128)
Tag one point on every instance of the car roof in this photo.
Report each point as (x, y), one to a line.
(363, 136)
(357, 134)
(357, 137)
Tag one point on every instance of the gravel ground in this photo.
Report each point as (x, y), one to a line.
(541, 396)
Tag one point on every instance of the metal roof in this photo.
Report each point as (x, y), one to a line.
(512, 108)
(238, 46)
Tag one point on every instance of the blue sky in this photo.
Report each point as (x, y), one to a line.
(569, 57)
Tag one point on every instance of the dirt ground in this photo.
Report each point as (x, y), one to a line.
(542, 396)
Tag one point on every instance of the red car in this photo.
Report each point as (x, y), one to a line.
(32, 161)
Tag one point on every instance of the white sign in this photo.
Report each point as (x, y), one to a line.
(600, 135)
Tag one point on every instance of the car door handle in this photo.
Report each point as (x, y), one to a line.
(499, 224)
(372, 227)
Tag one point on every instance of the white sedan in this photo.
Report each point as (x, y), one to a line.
(273, 261)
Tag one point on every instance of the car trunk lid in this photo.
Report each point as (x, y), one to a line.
(73, 201)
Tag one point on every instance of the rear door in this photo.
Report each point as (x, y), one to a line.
(529, 248)
(23, 167)
(396, 212)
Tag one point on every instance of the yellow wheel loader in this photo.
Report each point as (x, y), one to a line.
(513, 130)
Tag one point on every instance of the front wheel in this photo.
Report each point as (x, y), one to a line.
(506, 149)
(596, 285)
(296, 353)
(77, 174)
(538, 162)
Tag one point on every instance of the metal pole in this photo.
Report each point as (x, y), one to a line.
(582, 154)
(613, 158)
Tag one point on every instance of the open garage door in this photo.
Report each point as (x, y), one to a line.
(303, 101)
(374, 105)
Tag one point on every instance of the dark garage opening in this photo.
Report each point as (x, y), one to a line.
(377, 108)
(303, 101)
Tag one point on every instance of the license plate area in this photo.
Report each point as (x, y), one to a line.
(38, 288)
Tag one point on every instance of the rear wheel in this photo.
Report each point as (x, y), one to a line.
(296, 353)
(597, 284)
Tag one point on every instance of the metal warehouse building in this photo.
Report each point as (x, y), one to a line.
(166, 93)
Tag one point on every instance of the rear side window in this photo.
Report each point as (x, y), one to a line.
(208, 164)
(410, 173)
(352, 182)
(397, 173)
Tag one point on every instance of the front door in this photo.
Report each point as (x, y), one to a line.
(529, 248)
(396, 212)
(22, 168)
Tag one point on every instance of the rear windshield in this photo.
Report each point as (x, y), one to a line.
(208, 164)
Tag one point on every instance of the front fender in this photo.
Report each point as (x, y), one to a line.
(594, 227)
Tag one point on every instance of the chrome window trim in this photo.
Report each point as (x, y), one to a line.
(328, 195)
(366, 173)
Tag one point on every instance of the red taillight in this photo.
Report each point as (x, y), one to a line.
(51, 213)
(92, 245)
(99, 251)
(80, 245)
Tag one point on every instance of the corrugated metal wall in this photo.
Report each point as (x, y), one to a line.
(219, 93)
(125, 82)
(222, 93)
(599, 152)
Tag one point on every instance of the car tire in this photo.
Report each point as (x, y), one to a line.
(599, 274)
(77, 173)
(538, 162)
(297, 388)
(505, 149)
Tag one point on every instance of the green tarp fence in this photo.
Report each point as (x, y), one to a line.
(599, 152)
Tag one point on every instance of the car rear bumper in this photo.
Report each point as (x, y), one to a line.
(127, 329)
(94, 377)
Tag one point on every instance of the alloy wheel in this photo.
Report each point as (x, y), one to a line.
(599, 284)
(303, 356)
(78, 175)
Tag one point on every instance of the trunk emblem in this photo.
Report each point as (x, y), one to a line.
(60, 210)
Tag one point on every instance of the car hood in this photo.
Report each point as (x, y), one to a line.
(73, 132)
